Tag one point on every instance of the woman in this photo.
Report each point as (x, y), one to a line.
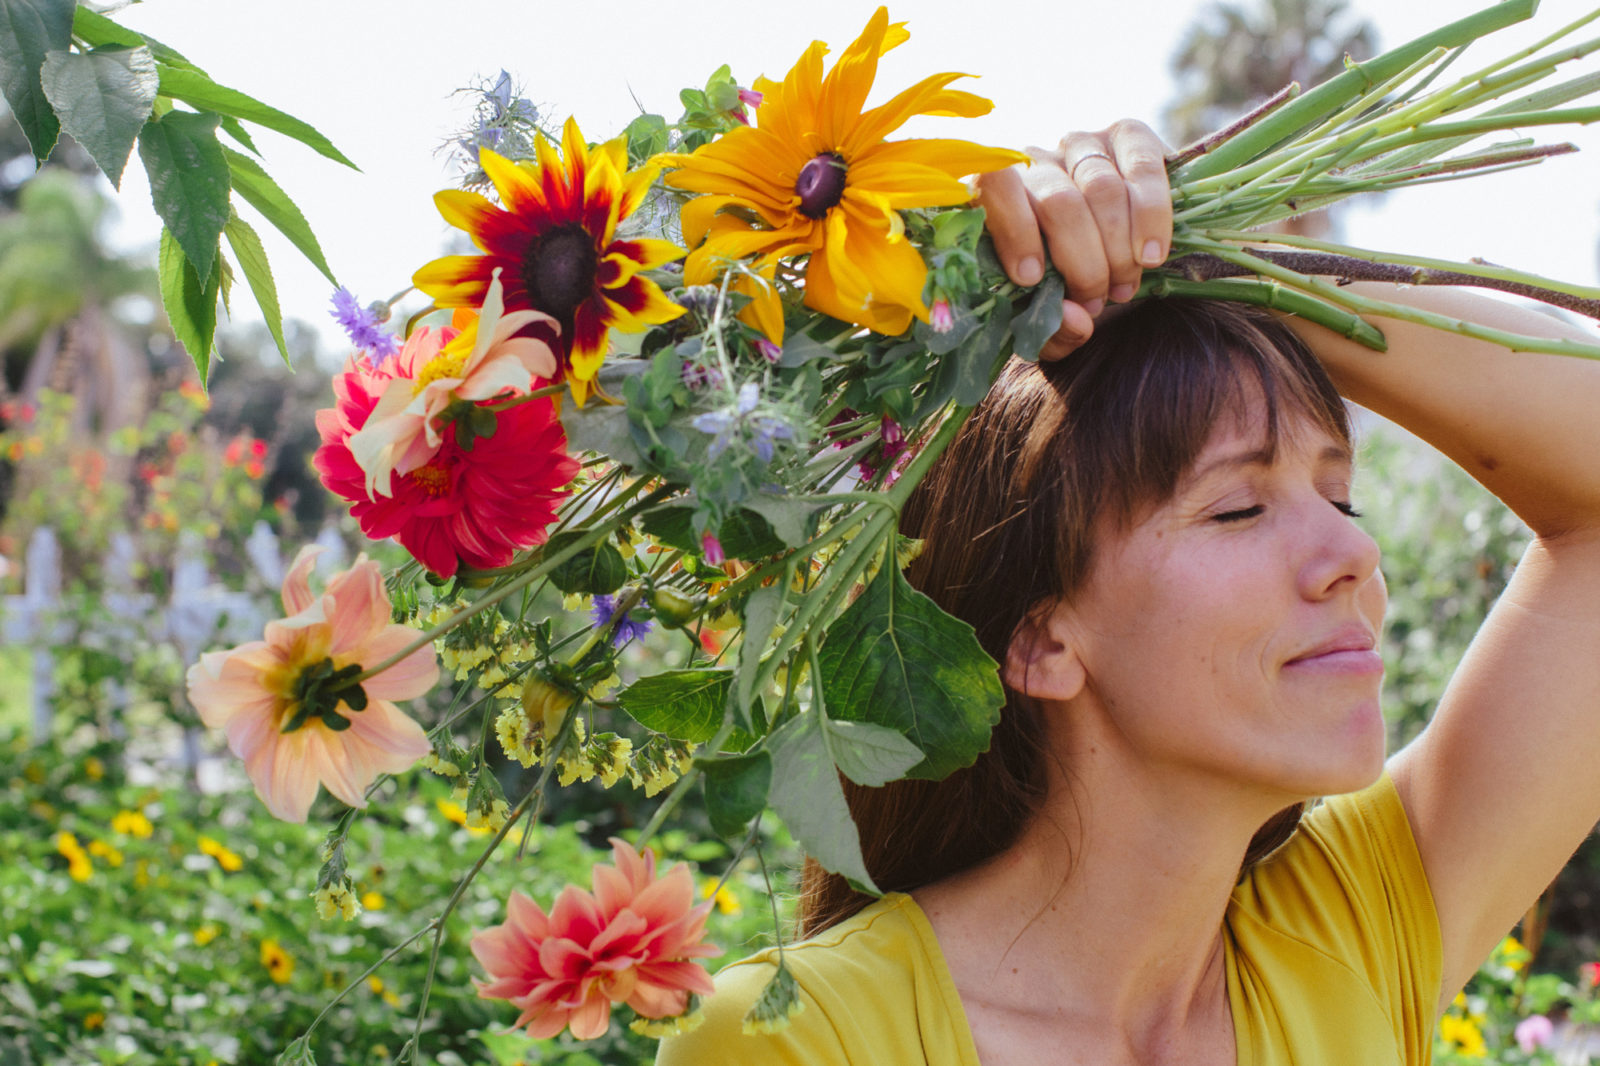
(1154, 537)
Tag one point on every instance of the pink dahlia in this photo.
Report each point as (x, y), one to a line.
(476, 506)
(632, 941)
(291, 705)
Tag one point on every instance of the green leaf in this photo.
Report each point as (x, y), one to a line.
(188, 182)
(191, 306)
(683, 704)
(895, 659)
(744, 535)
(807, 795)
(99, 31)
(800, 348)
(1040, 320)
(965, 324)
(199, 91)
(263, 194)
(793, 518)
(102, 99)
(246, 245)
(231, 127)
(28, 30)
(646, 135)
(761, 609)
(868, 754)
(736, 790)
(979, 357)
(602, 428)
(597, 570)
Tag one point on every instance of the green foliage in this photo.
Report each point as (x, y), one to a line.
(150, 948)
(596, 570)
(118, 86)
(1480, 1026)
(683, 704)
(894, 659)
(806, 794)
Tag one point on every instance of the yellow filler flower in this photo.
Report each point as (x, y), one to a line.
(816, 177)
(554, 239)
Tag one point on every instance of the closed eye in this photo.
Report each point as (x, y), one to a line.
(1239, 515)
(1345, 507)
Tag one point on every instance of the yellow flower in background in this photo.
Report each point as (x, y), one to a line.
(101, 849)
(94, 1020)
(1464, 1034)
(79, 868)
(94, 768)
(133, 824)
(1512, 954)
(225, 858)
(815, 177)
(205, 934)
(280, 967)
(553, 238)
(372, 901)
(726, 901)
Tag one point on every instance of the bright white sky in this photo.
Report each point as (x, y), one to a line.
(377, 78)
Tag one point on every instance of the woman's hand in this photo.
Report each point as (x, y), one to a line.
(1101, 206)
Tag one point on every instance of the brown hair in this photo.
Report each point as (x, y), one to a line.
(1007, 518)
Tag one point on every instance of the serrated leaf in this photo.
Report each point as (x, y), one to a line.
(736, 790)
(191, 307)
(601, 428)
(262, 193)
(807, 795)
(29, 30)
(1040, 320)
(682, 704)
(246, 245)
(232, 128)
(99, 31)
(760, 615)
(188, 182)
(198, 91)
(102, 99)
(895, 659)
(597, 570)
(868, 754)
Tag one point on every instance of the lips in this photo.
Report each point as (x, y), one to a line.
(1352, 649)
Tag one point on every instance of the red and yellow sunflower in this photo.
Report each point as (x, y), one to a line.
(816, 177)
(554, 240)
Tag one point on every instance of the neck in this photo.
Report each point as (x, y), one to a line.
(1107, 915)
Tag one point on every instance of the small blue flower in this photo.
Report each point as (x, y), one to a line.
(627, 628)
(763, 430)
(361, 325)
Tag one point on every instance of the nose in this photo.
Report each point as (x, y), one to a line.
(1340, 556)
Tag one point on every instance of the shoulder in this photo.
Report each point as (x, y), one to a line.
(858, 985)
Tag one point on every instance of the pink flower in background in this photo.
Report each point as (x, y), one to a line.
(289, 704)
(632, 941)
(476, 506)
(488, 359)
(1535, 1032)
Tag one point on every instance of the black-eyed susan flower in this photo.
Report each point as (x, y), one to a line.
(278, 964)
(816, 177)
(554, 238)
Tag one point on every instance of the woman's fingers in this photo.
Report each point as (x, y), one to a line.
(1011, 221)
(1141, 160)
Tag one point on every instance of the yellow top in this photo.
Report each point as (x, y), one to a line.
(1332, 955)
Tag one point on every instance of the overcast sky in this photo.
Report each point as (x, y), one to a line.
(378, 79)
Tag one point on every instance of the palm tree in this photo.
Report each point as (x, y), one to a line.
(1236, 56)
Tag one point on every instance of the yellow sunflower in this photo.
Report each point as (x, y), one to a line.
(554, 240)
(816, 177)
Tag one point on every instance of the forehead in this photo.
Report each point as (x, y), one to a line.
(1249, 438)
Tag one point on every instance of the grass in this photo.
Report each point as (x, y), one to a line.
(16, 689)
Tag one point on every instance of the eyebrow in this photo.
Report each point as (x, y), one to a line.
(1333, 453)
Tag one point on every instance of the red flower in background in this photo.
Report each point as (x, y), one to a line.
(475, 507)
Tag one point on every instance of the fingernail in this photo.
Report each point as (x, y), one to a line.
(1121, 294)
(1029, 271)
(1151, 256)
(1094, 307)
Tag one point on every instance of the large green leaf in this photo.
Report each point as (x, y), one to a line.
(199, 91)
(603, 428)
(744, 535)
(736, 790)
(895, 659)
(683, 704)
(760, 615)
(792, 518)
(28, 30)
(103, 99)
(99, 31)
(1039, 320)
(246, 245)
(263, 194)
(191, 306)
(807, 795)
(188, 182)
(868, 754)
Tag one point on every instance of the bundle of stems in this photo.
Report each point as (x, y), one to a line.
(1381, 125)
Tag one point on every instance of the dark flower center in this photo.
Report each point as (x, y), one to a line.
(318, 692)
(559, 270)
(821, 184)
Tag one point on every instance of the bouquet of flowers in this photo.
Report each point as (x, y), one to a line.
(688, 382)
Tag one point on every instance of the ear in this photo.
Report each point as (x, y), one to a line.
(1042, 659)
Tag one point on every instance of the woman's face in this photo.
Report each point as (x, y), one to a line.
(1233, 630)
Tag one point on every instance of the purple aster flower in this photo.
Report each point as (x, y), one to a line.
(628, 627)
(361, 325)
